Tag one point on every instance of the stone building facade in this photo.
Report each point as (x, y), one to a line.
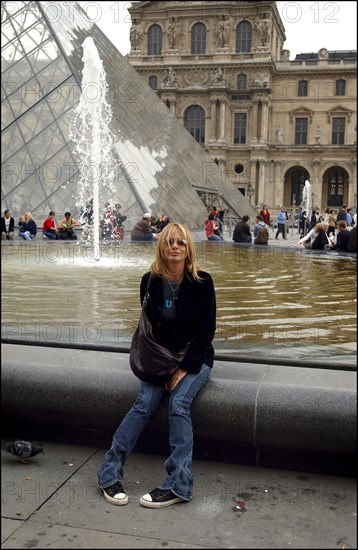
(269, 122)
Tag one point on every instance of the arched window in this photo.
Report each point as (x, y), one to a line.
(242, 82)
(340, 87)
(335, 188)
(153, 82)
(155, 40)
(303, 88)
(194, 122)
(198, 39)
(243, 37)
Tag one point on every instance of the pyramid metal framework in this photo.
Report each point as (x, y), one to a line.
(160, 168)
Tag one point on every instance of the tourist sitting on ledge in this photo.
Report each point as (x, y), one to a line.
(352, 240)
(162, 222)
(142, 229)
(212, 229)
(49, 230)
(27, 227)
(261, 233)
(66, 227)
(242, 232)
(342, 237)
(317, 238)
(7, 226)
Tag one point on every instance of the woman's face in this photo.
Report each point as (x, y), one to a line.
(176, 251)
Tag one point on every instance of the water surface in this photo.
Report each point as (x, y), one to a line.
(271, 302)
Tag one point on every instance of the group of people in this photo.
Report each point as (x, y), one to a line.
(111, 223)
(148, 227)
(64, 231)
(242, 232)
(319, 238)
(321, 232)
(28, 227)
(329, 216)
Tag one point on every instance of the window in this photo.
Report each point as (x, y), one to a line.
(155, 40)
(240, 128)
(335, 188)
(303, 88)
(194, 122)
(301, 131)
(242, 82)
(198, 39)
(243, 37)
(340, 87)
(338, 127)
(153, 82)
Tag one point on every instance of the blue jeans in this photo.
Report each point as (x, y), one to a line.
(26, 235)
(50, 235)
(179, 463)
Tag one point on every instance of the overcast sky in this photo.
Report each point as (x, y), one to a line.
(309, 26)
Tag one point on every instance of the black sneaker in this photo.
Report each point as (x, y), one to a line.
(159, 498)
(115, 494)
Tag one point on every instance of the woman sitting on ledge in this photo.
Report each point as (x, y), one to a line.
(210, 228)
(318, 238)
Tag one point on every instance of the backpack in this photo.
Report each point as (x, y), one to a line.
(262, 236)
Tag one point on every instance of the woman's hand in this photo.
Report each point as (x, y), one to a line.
(175, 379)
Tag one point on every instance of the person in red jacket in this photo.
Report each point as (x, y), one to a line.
(49, 230)
(265, 214)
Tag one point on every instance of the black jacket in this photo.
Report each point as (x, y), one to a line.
(241, 232)
(320, 241)
(11, 226)
(342, 240)
(29, 226)
(195, 322)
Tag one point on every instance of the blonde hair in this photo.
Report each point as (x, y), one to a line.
(160, 265)
(27, 217)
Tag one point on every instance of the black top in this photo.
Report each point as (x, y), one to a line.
(342, 240)
(195, 320)
(29, 226)
(11, 226)
(320, 241)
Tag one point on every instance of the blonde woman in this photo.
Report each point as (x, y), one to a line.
(27, 227)
(318, 236)
(183, 312)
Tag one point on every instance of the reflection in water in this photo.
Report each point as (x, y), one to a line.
(271, 302)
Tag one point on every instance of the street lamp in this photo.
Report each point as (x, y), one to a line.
(250, 191)
(312, 195)
(293, 211)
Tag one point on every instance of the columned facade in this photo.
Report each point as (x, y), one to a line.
(280, 119)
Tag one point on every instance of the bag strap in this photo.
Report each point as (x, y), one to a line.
(147, 295)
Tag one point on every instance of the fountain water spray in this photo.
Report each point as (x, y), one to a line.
(90, 130)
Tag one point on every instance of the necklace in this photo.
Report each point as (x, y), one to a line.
(174, 289)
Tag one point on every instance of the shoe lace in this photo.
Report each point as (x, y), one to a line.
(157, 493)
(115, 488)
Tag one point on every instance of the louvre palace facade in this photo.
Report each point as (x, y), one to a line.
(269, 122)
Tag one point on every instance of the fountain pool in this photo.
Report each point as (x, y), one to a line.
(272, 302)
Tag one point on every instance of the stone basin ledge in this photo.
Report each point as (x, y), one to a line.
(248, 409)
